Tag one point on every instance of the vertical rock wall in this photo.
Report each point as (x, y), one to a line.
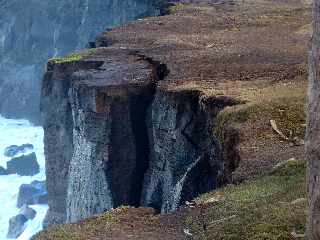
(185, 158)
(58, 125)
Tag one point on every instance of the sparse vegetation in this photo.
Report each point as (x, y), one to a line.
(264, 208)
(176, 7)
(69, 58)
(288, 112)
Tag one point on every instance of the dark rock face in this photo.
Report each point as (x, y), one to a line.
(3, 171)
(34, 193)
(106, 142)
(114, 137)
(58, 144)
(29, 213)
(25, 45)
(103, 117)
(17, 223)
(26, 165)
(185, 159)
(16, 226)
(13, 150)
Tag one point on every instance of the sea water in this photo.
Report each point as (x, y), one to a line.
(18, 132)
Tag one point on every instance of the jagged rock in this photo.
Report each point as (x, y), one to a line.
(3, 171)
(28, 212)
(13, 150)
(16, 226)
(26, 165)
(34, 193)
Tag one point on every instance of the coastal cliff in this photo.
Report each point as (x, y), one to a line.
(164, 109)
(113, 137)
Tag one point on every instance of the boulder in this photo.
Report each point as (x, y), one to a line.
(16, 226)
(30, 194)
(26, 165)
(3, 171)
(13, 150)
(28, 212)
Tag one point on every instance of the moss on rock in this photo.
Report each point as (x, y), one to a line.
(69, 58)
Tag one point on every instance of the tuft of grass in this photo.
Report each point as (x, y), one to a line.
(176, 7)
(79, 231)
(259, 209)
(289, 113)
(69, 58)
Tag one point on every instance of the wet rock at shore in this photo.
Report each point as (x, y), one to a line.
(25, 165)
(30, 194)
(3, 171)
(13, 150)
(17, 223)
(16, 226)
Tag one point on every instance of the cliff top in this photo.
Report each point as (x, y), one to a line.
(224, 47)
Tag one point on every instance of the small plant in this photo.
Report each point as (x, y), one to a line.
(176, 7)
(69, 58)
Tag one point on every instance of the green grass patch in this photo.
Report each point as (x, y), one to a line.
(260, 209)
(81, 231)
(176, 7)
(289, 113)
(67, 59)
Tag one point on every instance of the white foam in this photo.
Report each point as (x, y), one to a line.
(18, 132)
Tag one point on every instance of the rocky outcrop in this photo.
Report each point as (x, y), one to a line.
(14, 150)
(114, 136)
(109, 135)
(25, 44)
(25, 165)
(17, 224)
(31, 194)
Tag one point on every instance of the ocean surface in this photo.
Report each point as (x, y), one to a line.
(18, 132)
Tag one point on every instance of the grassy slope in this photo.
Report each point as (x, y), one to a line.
(269, 207)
